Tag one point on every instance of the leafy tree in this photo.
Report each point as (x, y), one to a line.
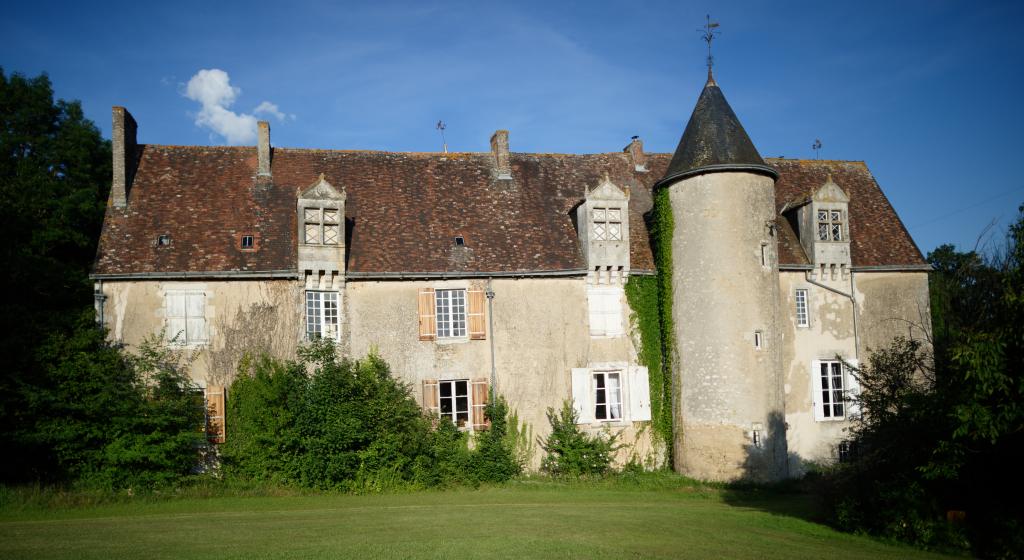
(570, 451)
(54, 179)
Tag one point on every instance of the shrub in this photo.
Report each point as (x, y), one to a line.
(570, 451)
(494, 459)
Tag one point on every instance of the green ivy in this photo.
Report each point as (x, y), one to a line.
(650, 298)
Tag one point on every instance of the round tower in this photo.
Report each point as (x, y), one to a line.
(729, 413)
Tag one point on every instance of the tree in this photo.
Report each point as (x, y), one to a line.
(54, 179)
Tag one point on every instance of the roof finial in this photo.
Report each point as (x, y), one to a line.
(708, 36)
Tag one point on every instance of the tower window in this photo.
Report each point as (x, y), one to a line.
(830, 225)
(322, 226)
(802, 319)
(608, 224)
(758, 340)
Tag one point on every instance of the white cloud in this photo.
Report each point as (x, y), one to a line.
(215, 94)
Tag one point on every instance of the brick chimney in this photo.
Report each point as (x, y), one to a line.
(635, 149)
(263, 151)
(124, 142)
(502, 162)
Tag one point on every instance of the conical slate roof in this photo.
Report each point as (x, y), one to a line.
(714, 141)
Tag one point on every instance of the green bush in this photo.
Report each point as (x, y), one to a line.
(571, 452)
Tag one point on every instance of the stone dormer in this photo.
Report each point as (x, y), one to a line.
(603, 220)
(321, 223)
(824, 226)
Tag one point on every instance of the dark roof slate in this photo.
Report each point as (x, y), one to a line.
(404, 209)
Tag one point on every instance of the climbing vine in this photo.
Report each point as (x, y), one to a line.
(650, 298)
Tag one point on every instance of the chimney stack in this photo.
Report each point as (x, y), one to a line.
(124, 142)
(499, 147)
(636, 154)
(263, 151)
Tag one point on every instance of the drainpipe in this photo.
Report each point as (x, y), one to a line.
(853, 301)
(490, 321)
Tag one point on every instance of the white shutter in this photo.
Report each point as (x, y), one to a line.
(852, 385)
(639, 394)
(595, 312)
(816, 403)
(581, 399)
(196, 310)
(175, 318)
(613, 312)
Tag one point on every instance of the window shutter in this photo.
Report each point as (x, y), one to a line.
(196, 319)
(639, 394)
(852, 385)
(581, 398)
(480, 421)
(428, 323)
(613, 313)
(477, 326)
(215, 428)
(175, 318)
(816, 403)
(431, 397)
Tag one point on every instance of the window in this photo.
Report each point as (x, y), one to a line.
(608, 224)
(830, 225)
(186, 318)
(452, 314)
(460, 400)
(607, 396)
(450, 311)
(833, 397)
(163, 240)
(604, 306)
(322, 226)
(454, 401)
(846, 451)
(758, 340)
(802, 319)
(321, 315)
(247, 242)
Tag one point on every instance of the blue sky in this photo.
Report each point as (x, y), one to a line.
(928, 93)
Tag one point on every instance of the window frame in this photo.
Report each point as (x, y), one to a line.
(834, 225)
(453, 397)
(187, 341)
(319, 221)
(608, 405)
(447, 324)
(605, 223)
(322, 315)
(801, 296)
(832, 398)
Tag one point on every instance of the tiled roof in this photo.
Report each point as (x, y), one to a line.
(404, 209)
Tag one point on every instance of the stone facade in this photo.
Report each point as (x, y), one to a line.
(506, 270)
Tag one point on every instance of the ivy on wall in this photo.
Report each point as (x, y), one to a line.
(650, 298)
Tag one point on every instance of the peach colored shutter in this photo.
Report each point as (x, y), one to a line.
(428, 324)
(215, 428)
(431, 400)
(480, 421)
(477, 328)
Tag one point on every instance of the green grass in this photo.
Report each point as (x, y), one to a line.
(521, 520)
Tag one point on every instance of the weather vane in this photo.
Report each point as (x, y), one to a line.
(440, 128)
(708, 36)
(816, 146)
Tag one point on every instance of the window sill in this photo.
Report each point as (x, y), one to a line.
(452, 340)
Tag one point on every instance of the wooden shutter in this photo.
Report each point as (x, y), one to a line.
(216, 431)
(581, 398)
(852, 385)
(639, 394)
(816, 401)
(431, 397)
(480, 395)
(428, 323)
(477, 326)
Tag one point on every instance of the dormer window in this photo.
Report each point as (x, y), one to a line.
(322, 226)
(830, 225)
(608, 224)
(247, 242)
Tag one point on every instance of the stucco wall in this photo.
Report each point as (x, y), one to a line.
(241, 316)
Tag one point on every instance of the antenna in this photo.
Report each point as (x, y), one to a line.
(708, 35)
(440, 128)
(816, 146)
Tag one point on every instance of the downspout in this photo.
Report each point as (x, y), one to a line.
(853, 301)
(490, 326)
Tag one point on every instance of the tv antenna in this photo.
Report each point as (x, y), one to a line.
(816, 146)
(440, 128)
(708, 35)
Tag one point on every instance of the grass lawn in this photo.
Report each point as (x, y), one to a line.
(521, 520)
